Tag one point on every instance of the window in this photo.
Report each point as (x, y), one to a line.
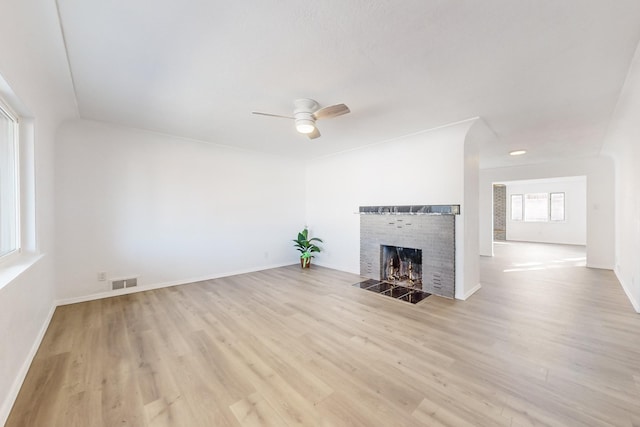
(9, 205)
(556, 211)
(536, 207)
(516, 207)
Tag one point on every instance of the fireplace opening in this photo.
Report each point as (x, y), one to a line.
(400, 275)
(401, 266)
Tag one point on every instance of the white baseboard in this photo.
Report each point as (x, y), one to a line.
(625, 288)
(11, 396)
(469, 292)
(345, 268)
(599, 267)
(125, 291)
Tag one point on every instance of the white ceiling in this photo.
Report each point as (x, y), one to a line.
(545, 75)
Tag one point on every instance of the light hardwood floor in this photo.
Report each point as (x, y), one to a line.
(548, 343)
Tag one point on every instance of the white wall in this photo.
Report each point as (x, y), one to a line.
(571, 231)
(478, 135)
(600, 202)
(32, 62)
(623, 144)
(168, 210)
(425, 168)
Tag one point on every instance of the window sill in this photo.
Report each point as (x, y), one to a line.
(12, 269)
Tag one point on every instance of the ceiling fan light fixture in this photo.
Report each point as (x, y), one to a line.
(306, 112)
(305, 126)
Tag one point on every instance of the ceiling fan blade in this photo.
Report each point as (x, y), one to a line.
(331, 111)
(271, 115)
(315, 134)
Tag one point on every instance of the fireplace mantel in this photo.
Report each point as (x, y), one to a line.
(410, 210)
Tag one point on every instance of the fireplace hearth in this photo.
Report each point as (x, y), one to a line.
(393, 290)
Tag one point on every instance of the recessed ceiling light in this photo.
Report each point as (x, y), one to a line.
(517, 152)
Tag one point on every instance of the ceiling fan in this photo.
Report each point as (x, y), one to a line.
(306, 112)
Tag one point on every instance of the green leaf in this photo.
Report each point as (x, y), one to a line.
(305, 245)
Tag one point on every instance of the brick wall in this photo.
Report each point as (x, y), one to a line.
(433, 234)
(499, 212)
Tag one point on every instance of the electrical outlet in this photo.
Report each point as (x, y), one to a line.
(102, 276)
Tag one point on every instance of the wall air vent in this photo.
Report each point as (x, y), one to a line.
(124, 283)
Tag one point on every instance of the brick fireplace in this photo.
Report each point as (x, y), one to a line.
(414, 245)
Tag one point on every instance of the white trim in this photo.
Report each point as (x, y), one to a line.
(469, 292)
(599, 267)
(12, 394)
(397, 138)
(142, 288)
(6, 108)
(8, 112)
(625, 288)
(17, 266)
(345, 268)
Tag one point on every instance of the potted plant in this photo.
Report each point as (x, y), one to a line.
(306, 247)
